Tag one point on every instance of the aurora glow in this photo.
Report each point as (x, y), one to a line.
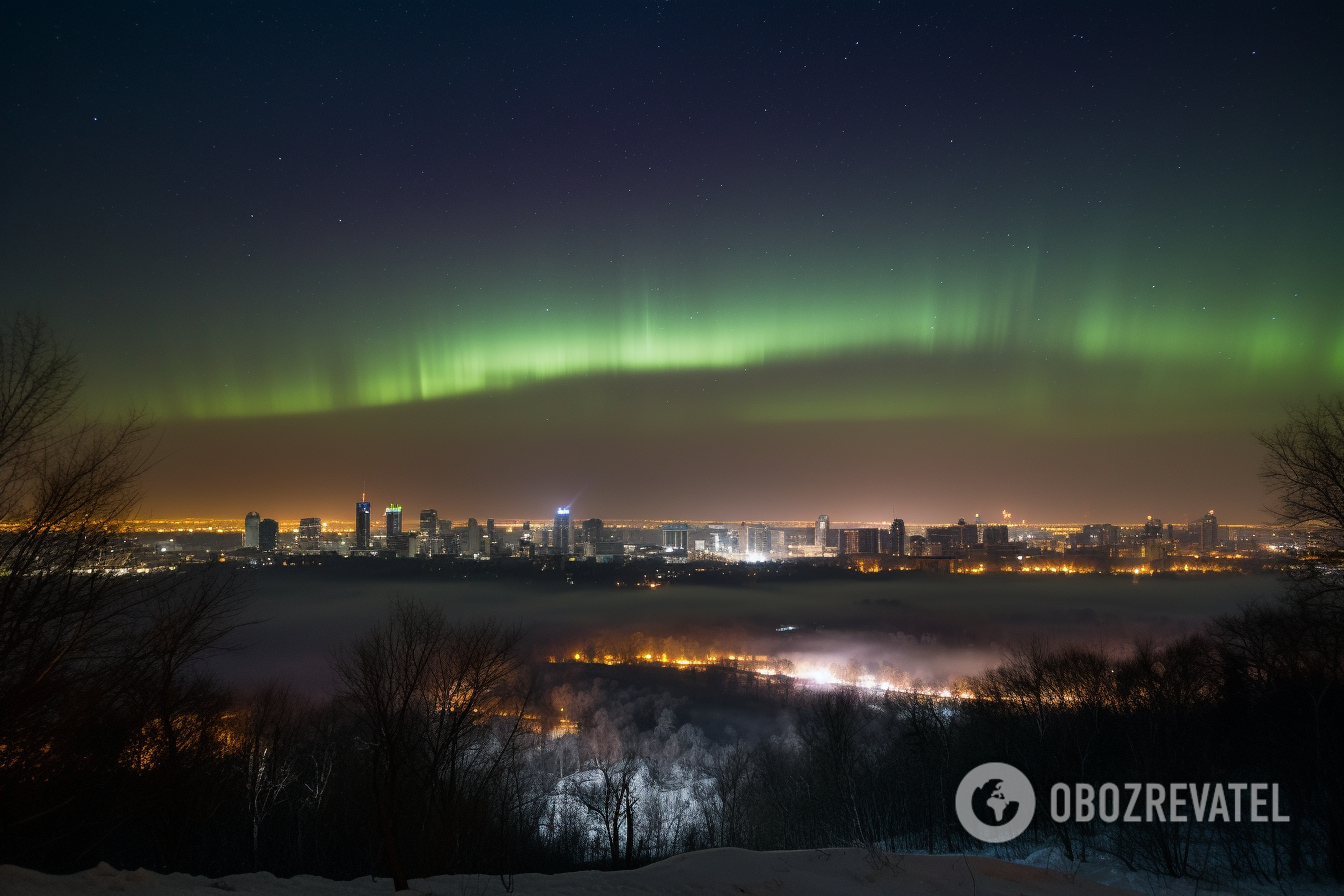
(438, 360)
(770, 226)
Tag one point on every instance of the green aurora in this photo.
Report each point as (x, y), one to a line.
(939, 339)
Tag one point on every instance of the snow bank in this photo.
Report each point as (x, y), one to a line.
(833, 872)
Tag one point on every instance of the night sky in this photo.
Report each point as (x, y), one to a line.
(718, 260)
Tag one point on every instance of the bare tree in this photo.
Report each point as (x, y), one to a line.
(607, 786)
(384, 674)
(1304, 466)
(472, 705)
(66, 485)
(264, 732)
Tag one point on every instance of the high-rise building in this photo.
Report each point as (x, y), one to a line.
(1097, 535)
(393, 520)
(473, 537)
(251, 535)
(1152, 528)
(489, 547)
(429, 524)
(362, 513)
(588, 537)
(561, 536)
(758, 540)
(856, 541)
(898, 537)
(823, 532)
(995, 534)
(310, 533)
(268, 535)
(1208, 532)
(952, 540)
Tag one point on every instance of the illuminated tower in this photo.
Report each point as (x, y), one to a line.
(1208, 532)
(362, 512)
(823, 533)
(898, 537)
(251, 533)
(473, 537)
(393, 520)
(560, 535)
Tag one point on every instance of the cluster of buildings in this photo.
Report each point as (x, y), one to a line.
(591, 539)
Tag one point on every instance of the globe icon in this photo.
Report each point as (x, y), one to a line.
(991, 805)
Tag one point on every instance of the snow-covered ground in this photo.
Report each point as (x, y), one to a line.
(833, 872)
(1108, 870)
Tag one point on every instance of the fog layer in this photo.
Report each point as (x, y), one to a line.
(931, 627)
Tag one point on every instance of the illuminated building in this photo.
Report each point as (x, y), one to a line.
(251, 534)
(674, 536)
(268, 535)
(560, 533)
(310, 533)
(1208, 532)
(473, 537)
(488, 545)
(429, 523)
(393, 520)
(362, 513)
(898, 537)
(758, 541)
(822, 536)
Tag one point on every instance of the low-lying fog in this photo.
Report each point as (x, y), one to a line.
(931, 627)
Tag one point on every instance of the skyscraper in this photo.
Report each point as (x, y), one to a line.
(590, 536)
(268, 535)
(473, 537)
(1208, 532)
(393, 520)
(488, 546)
(250, 525)
(823, 532)
(362, 513)
(561, 535)
(898, 537)
(758, 541)
(310, 533)
(429, 523)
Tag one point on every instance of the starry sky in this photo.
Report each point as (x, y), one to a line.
(705, 260)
